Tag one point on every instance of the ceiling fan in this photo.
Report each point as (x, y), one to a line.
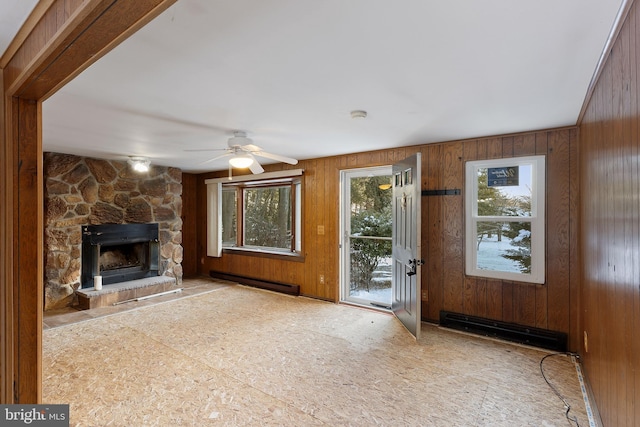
(241, 152)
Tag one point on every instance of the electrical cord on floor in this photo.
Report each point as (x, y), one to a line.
(572, 419)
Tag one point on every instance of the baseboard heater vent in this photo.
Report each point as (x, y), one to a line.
(542, 338)
(258, 283)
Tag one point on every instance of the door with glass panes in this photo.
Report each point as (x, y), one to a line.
(366, 224)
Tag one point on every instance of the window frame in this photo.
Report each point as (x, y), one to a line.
(537, 219)
(295, 186)
(214, 213)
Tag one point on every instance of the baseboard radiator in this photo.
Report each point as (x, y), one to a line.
(551, 340)
(258, 283)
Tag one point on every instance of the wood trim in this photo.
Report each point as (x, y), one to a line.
(28, 245)
(6, 253)
(289, 173)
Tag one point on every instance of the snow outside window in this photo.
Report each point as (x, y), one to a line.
(504, 207)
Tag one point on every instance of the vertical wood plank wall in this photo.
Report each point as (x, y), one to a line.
(444, 284)
(609, 155)
(189, 225)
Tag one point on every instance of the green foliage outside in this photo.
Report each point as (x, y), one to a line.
(370, 217)
(268, 217)
(229, 209)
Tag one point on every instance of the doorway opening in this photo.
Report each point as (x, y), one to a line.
(366, 236)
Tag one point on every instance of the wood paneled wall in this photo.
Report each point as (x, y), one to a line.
(444, 284)
(610, 230)
(189, 225)
(547, 306)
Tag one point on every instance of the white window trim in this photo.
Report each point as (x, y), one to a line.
(260, 177)
(537, 218)
(214, 219)
(214, 204)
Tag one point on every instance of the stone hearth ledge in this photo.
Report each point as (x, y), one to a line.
(89, 298)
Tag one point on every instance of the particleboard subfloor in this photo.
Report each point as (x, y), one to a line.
(238, 356)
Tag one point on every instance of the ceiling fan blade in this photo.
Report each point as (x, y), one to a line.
(277, 157)
(255, 167)
(216, 158)
(251, 148)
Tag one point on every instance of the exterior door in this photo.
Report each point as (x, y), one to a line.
(406, 256)
(366, 227)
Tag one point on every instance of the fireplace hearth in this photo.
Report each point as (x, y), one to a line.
(119, 253)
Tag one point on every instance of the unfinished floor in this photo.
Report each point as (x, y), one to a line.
(227, 355)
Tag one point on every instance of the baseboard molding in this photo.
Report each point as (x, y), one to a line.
(543, 338)
(284, 288)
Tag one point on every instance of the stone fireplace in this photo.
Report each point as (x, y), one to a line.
(83, 193)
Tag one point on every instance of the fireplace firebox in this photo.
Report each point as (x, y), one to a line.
(119, 252)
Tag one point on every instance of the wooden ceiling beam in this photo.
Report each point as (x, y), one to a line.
(69, 37)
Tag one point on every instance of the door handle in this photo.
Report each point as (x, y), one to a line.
(413, 265)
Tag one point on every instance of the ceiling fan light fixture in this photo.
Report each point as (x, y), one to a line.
(241, 161)
(139, 164)
(239, 138)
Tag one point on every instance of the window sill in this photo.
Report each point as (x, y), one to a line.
(261, 253)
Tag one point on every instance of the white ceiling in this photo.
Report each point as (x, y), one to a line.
(289, 72)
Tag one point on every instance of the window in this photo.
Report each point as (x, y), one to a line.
(268, 216)
(505, 219)
(229, 216)
(259, 215)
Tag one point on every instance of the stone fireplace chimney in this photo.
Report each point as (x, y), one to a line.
(83, 191)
